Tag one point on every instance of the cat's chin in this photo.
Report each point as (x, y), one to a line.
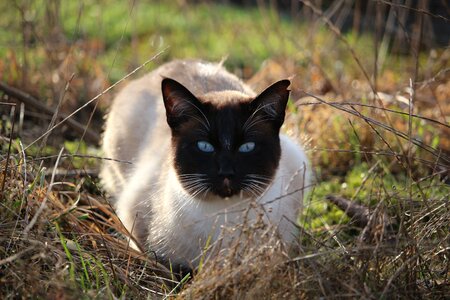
(225, 195)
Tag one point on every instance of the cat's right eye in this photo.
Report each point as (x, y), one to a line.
(205, 146)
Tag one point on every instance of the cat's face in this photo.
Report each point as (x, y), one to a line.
(225, 146)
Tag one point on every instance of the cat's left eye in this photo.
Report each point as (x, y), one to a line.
(247, 147)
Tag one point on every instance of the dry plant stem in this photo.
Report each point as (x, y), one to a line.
(366, 119)
(378, 22)
(128, 247)
(371, 121)
(91, 115)
(43, 204)
(81, 156)
(366, 177)
(378, 107)
(16, 256)
(5, 170)
(410, 144)
(431, 164)
(23, 202)
(416, 10)
(338, 33)
(366, 157)
(38, 104)
(55, 114)
(108, 253)
(98, 96)
(397, 273)
(359, 213)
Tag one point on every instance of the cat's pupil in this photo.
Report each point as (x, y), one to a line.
(205, 146)
(247, 147)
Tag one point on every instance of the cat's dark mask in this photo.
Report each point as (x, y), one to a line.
(225, 147)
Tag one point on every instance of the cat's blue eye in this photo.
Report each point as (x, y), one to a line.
(247, 147)
(205, 146)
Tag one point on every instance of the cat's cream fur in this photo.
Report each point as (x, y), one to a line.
(149, 198)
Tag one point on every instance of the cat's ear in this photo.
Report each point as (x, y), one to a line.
(180, 103)
(271, 103)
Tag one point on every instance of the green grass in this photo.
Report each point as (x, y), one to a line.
(120, 35)
(366, 185)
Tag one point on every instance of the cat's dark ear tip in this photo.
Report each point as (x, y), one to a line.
(169, 85)
(285, 83)
(281, 85)
(168, 81)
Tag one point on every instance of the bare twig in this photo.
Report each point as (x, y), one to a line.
(5, 170)
(43, 204)
(16, 256)
(40, 106)
(98, 96)
(416, 10)
(55, 114)
(371, 121)
(378, 107)
(358, 213)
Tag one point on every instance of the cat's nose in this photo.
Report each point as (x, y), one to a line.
(226, 171)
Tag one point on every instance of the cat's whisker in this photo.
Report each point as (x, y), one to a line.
(258, 176)
(257, 182)
(257, 188)
(206, 191)
(261, 180)
(251, 117)
(200, 121)
(250, 189)
(194, 184)
(252, 121)
(199, 191)
(192, 175)
(193, 179)
(208, 125)
(255, 185)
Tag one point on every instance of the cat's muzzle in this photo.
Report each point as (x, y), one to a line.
(226, 188)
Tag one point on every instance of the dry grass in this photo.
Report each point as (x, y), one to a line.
(59, 241)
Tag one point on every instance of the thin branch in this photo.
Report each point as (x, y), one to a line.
(37, 104)
(416, 10)
(377, 107)
(5, 170)
(97, 97)
(397, 133)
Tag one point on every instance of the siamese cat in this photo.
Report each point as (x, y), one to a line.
(203, 147)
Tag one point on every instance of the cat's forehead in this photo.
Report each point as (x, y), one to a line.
(223, 99)
(227, 114)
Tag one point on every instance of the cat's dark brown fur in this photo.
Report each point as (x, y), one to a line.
(226, 125)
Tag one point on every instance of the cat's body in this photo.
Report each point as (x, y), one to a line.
(161, 197)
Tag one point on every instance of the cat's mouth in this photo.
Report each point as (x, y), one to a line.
(226, 188)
